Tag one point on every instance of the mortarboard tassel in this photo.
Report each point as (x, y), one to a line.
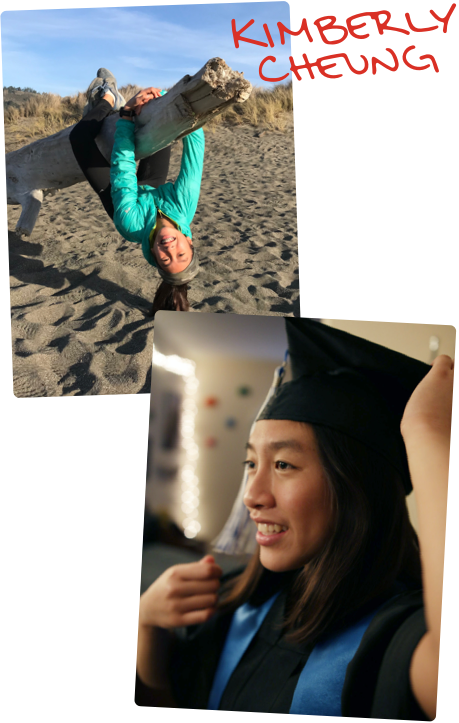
(238, 535)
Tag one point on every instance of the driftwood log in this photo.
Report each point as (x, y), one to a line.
(47, 165)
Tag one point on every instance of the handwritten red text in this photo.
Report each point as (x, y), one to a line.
(329, 31)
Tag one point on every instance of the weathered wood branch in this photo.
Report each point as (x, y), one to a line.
(48, 164)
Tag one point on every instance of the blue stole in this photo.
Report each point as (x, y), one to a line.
(319, 687)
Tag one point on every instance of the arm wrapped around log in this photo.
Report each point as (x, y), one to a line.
(135, 213)
(131, 213)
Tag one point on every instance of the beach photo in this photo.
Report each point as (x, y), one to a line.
(207, 220)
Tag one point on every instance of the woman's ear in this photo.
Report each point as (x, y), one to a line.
(189, 240)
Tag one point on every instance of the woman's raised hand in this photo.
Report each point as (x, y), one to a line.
(430, 406)
(142, 98)
(183, 595)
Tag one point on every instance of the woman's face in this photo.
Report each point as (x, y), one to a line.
(172, 249)
(287, 494)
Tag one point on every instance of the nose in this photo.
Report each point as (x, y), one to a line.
(258, 492)
(169, 251)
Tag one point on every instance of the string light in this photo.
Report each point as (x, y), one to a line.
(190, 482)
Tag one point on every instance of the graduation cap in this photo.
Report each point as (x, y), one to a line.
(343, 382)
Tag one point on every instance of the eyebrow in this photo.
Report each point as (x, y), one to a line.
(293, 444)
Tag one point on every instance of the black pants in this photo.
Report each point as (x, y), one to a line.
(152, 171)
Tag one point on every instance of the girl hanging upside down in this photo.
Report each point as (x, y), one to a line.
(145, 209)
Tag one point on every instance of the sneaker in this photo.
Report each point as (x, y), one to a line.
(110, 86)
(103, 83)
(96, 84)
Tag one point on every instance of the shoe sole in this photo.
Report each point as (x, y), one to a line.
(96, 83)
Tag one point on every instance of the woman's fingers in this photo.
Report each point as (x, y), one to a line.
(142, 98)
(155, 92)
(197, 587)
(146, 96)
(196, 602)
(197, 616)
(202, 570)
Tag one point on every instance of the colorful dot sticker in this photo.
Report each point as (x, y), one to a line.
(210, 402)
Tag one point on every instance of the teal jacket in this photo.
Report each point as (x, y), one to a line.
(136, 207)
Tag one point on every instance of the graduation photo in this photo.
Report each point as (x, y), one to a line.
(314, 586)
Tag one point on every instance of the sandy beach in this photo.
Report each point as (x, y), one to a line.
(80, 293)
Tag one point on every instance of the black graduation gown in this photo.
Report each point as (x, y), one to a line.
(377, 680)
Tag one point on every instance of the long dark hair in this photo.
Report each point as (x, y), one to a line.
(372, 543)
(170, 298)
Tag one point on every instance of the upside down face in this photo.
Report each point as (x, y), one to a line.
(172, 249)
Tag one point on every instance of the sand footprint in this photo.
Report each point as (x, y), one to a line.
(104, 323)
(29, 384)
(53, 315)
(25, 329)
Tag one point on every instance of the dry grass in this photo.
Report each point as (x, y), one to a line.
(48, 113)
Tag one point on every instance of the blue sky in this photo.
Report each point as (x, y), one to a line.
(60, 51)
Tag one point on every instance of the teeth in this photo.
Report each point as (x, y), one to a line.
(166, 240)
(270, 529)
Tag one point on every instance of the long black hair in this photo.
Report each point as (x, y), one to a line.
(170, 298)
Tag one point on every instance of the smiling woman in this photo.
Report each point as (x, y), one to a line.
(172, 249)
(144, 208)
(293, 518)
(176, 259)
(349, 534)
(349, 550)
(326, 619)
